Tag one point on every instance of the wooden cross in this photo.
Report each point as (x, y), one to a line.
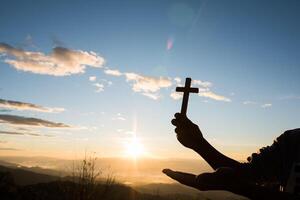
(186, 91)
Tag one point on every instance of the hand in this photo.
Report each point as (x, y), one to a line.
(188, 133)
(222, 179)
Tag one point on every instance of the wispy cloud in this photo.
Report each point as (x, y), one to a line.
(92, 78)
(153, 96)
(147, 83)
(113, 72)
(8, 149)
(200, 83)
(176, 95)
(214, 96)
(119, 117)
(18, 105)
(177, 80)
(20, 120)
(266, 105)
(64, 61)
(100, 84)
(204, 90)
(99, 87)
(249, 102)
(60, 62)
(19, 133)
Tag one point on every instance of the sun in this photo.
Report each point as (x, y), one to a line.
(134, 148)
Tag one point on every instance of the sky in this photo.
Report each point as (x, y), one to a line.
(100, 76)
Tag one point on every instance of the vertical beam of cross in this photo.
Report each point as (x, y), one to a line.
(186, 92)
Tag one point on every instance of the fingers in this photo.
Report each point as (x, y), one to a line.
(167, 171)
(179, 119)
(174, 122)
(176, 130)
(181, 177)
(178, 115)
(222, 179)
(178, 122)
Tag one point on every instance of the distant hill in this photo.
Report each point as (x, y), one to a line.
(25, 177)
(140, 171)
(35, 169)
(30, 182)
(20, 184)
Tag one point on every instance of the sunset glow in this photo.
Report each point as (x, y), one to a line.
(135, 148)
(101, 77)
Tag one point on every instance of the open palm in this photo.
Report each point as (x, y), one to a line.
(222, 179)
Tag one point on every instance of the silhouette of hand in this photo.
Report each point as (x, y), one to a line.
(222, 179)
(188, 133)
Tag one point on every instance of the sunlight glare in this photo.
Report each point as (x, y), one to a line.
(134, 148)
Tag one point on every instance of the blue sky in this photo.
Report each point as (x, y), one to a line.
(248, 51)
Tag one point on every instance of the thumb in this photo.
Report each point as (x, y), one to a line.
(169, 173)
(181, 177)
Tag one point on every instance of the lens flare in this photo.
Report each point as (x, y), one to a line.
(170, 44)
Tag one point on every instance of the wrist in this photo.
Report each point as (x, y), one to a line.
(199, 144)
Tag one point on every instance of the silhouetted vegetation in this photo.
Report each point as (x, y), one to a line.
(83, 184)
(66, 190)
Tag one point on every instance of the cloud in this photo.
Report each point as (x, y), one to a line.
(92, 78)
(19, 120)
(19, 133)
(204, 84)
(113, 72)
(11, 133)
(119, 117)
(249, 102)
(204, 90)
(63, 61)
(8, 149)
(176, 95)
(200, 83)
(101, 84)
(266, 105)
(177, 80)
(147, 84)
(153, 96)
(214, 96)
(99, 87)
(60, 62)
(17, 105)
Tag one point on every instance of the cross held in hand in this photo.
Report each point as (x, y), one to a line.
(186, 91)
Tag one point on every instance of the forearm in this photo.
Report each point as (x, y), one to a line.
(213, 157)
